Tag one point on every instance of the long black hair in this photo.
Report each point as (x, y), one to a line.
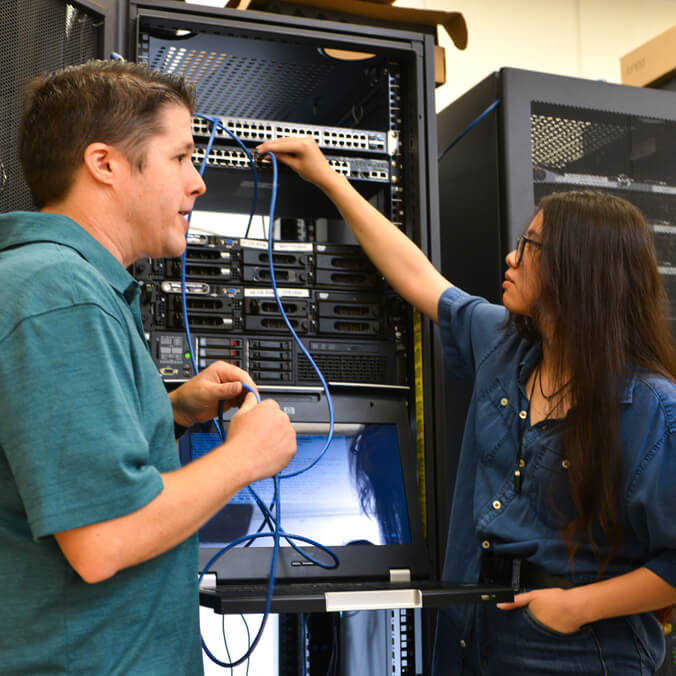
(602, 298)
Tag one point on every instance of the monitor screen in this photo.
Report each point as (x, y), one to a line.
(360, 500)
(354, 494)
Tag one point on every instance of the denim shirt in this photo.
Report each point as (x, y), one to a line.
(487, 515)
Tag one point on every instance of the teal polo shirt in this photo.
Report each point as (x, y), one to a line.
(86, 429)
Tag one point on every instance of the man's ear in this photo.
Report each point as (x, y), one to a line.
(102, 162)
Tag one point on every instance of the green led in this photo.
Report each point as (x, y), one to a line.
(187, 355)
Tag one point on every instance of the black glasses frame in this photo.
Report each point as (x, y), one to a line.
(521, 246)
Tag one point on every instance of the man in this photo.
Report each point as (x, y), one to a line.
(98, 557)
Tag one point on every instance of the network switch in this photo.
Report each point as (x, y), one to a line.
(328, 138)
(356, 168)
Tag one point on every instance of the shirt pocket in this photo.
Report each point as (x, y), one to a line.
(497, 413)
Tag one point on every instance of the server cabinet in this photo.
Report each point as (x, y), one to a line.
(366, 95)
(546, 134)
(266, 74)
(360, 642)
(67, 33)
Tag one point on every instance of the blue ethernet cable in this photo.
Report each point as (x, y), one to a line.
(217, 124)
(273, 521)
(273, 281)
(303, 634)
(225, 640)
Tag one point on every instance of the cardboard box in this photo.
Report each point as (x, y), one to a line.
(652, 63)
(379, 10)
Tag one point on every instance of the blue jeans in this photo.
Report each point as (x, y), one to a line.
(514, 643)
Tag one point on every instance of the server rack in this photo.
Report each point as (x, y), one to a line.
(361, 642)
(262, 70)
(67, 33)
(546, 134)
(268, 74)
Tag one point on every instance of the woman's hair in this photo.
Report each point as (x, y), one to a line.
(602, 298)
(112, 102)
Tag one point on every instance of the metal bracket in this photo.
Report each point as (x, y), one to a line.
(380, 599)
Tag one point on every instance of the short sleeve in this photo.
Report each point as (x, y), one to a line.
(470, 327)
(651, 498)
(71, 420)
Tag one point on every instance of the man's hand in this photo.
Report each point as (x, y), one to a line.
(264, 437)
(261, 442)
(551, 607)
(197, 400)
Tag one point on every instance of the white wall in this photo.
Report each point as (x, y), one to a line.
(580, 38)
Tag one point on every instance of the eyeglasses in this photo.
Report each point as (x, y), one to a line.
(521, 245)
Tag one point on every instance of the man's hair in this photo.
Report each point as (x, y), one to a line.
(113, 102)
(602, 297)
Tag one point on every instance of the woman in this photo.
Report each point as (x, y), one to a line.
(567, 478)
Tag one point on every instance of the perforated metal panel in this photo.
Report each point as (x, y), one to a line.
(37, 36)
(247, 86)
(267, 79)
(629, 156)
(635, 152)
(559, 141)
(340, 368)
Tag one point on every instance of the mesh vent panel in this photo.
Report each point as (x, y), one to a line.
(557, 142)
(38, 36)
(245, 86)
(275, 78)
(344, 368)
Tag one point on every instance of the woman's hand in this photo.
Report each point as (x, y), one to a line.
(551, 607)
(303, 155)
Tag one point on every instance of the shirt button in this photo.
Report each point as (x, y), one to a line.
(523, 415)
(565, 464)
(497, 504)
(504, 401)
(486, 544)
(522, 462)
(462, 643)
